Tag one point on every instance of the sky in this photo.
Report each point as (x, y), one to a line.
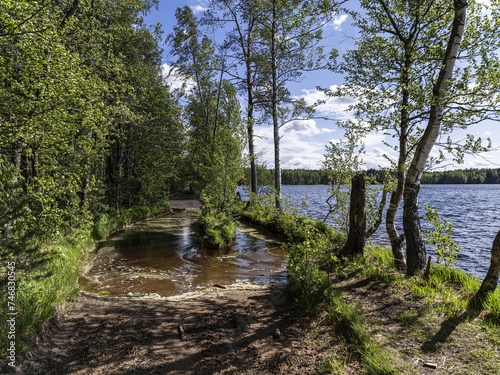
(304, 142)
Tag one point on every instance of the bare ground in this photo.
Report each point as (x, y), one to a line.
(226, 331)
(251, 330)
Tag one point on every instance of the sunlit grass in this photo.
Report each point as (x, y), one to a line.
(349, 324)
(447, 290)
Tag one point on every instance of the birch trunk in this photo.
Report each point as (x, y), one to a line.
(415, 247)
(490, 282)
(274, 110)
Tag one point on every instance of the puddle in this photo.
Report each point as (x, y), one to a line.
(162, 257)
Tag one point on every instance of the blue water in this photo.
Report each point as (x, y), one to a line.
(474, 211)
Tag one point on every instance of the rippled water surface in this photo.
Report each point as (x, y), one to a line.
(162, 256)
(474, 211)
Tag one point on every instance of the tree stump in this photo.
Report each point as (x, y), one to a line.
(356, 237)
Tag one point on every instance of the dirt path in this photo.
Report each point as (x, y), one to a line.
(185, 203)
(226, 331)
(237, 329)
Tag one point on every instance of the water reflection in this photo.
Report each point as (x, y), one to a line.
(161, 256)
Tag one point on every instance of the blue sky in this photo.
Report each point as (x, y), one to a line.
(303, 144)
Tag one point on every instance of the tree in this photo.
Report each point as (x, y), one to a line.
(86, 121)
(393, 73)
(51, 129)
(240, 45)
(213, 114)
(490, 281)
(415, 248)
(288, 33)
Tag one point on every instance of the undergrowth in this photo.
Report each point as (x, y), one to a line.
(312, 247)
(313, 266)
(215, 229)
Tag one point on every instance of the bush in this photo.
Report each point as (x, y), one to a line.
(215, 229)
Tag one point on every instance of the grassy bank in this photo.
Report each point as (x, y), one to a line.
(386, 323)
(47, 277)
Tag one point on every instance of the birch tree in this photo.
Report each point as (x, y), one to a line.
(394, 73)
(289, 33)
(240, 47)
(415, 247)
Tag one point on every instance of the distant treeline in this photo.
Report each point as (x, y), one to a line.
(459, 176)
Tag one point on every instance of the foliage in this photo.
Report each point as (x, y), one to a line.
(107, 223)
(287, 36)
(463, 176)
(88, 130)
(343, 159)
(441, 237)
(303, 268)
(342, 162)
(47, 277)
(86, 120)
(215, 133)
(379, 176)
(216, 229)
(394, 73)
(312, 246)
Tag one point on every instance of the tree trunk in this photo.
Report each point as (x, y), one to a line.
(380, 215)
(490, 282)
(415, 248)
(357, 218)
(274, 109)
(251, 146)
(395, 238)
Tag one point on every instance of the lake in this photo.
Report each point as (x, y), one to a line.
(474, 211)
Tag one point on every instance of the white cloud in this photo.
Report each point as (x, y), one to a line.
(331, 107)
(305, 128)
(376, 158)
(198, 8)
(373, 139)
(298, 147)
(338, 21)
(175, 80)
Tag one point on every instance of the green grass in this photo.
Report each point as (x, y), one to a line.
(312, 246)
(41, 289)
(350, 326)
(215, 229)
(434, 306)
(448, 289)
(47, 277)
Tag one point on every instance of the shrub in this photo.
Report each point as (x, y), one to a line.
(215, 229)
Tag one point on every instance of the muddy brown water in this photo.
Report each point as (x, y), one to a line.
(162, 257)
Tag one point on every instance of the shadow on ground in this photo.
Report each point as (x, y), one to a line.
(238, 332)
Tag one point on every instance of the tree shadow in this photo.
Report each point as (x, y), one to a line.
(134, 336)
(448, 326)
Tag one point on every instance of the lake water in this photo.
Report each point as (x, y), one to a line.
(474, 211)
(162, 256)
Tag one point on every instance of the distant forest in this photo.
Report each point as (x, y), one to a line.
(459, 176)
